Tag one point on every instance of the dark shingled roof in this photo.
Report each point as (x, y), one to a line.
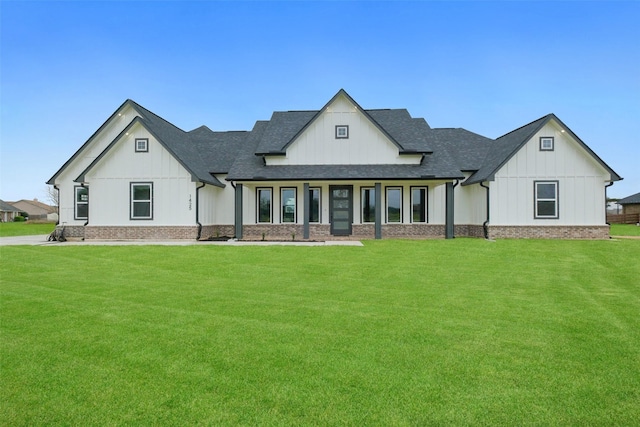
(6, 207)
(633, 199)
(447, 152)
(508, 145)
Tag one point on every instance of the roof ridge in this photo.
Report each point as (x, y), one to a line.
(145, 110)
(524, 126)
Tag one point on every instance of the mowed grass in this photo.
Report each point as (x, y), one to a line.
(458, 332)
(625, 230)
(27, 228)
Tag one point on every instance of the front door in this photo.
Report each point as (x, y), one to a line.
(341, 209)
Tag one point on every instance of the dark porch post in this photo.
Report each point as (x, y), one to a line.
(307, 209)
(448, 225)
(378, 210)
(238, 212)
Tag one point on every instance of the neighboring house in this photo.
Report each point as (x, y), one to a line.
(338, 172)
(7, 212)
(35, 209)
(631, 204)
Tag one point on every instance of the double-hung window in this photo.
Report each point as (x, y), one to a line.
(368, 204)
(81, 210)
(141, 200)
(418, 204)
(288, 204)
(264, 205)
(394, 204)
(545, 199)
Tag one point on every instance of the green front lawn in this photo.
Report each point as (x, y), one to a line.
(27, 228)
(441, 332)
(625, 230)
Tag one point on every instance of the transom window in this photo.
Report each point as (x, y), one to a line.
(142, 145)
(264, 205)
(141, 200)
(418, 204)
(81, 203)
(342, 132)
(546, 143)
(394, 204)
(288, 204)
(368, 204)
(545, 199)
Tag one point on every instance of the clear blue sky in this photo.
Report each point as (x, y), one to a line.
(489, 67)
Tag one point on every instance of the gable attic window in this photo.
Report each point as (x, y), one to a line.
(546, 143)
(342, 132)
(142, 145)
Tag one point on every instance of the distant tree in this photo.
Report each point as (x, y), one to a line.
(52, 196)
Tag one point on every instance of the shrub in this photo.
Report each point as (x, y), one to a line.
(18, 218)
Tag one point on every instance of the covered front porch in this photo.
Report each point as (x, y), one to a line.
(335, 210)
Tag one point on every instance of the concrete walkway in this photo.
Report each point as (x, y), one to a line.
(41, 240)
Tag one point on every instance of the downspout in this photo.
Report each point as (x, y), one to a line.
(454, 208)
(198, 211)
(58, 190)
(83, 186)
(485, 227)
(605, 206)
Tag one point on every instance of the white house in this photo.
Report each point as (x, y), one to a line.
(338, 172)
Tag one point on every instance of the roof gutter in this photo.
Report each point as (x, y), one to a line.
(485, 225)
(198, 210)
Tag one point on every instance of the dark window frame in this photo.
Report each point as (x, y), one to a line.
(146, 145)
(537, 199)
(426, 203)
(258, 191)
(386, 203)
(132, 201)
(346, 135)
(362, 207)
(76, 202)
(311, 189)
(547, 138)
(295, 205)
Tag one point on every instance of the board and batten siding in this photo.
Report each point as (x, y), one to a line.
(217, 204)
(581, 182)
(174, 199)
(318, 145)
(96, 145)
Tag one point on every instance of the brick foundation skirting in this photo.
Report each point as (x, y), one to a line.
(549, 232)
(140, 232)
(323, 232)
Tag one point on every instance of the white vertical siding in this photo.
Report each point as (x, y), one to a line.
(95, 146)
(174, 199)
(366, 144)
(470, 204)
(217, 205)
(581, 182)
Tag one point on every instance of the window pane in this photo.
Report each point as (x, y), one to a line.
(314, 209)
(418, 204)
(82, 210)
(394, 205)
(264, 209)
(141, 209)
(82, 194)
(288, 201)
(141, 192)
(341, 193)
(546, 208)
(547, 191)
(368, 205)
